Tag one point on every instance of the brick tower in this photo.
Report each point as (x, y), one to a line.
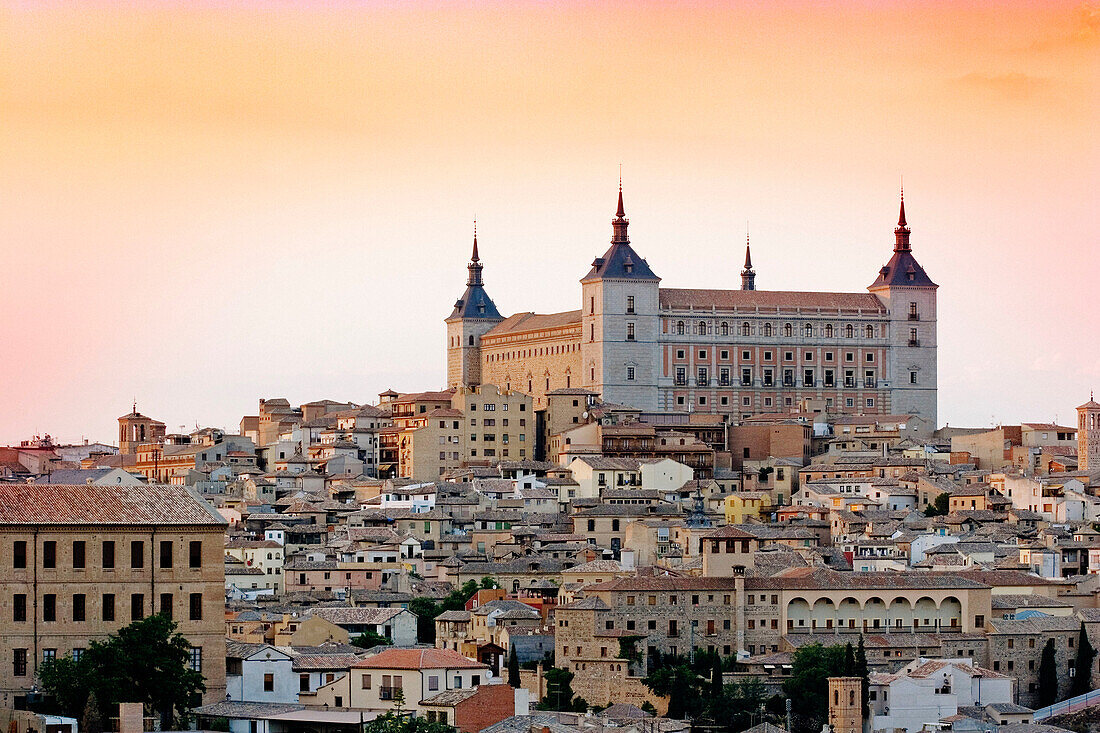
(846, 704)
(1088, 435)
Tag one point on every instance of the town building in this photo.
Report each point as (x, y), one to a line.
(83, 561)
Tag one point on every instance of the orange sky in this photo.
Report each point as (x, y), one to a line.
(204, 203)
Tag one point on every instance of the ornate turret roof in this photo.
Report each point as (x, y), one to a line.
(902, 270)
(620, 261)
(475, 302)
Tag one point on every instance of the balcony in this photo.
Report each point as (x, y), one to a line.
(849, 382)
(680, 381)
(724, 382)
(809, 383)
(788, 382)
(702, 382)
(870, 383)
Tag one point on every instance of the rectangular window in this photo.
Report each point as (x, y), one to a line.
(49, 554)
(630, 374)
(49, 607)
(19, 554)
(108, 555)
(195, 659)
(433, 682)
(108, 606)
(137, 607)
(137, 554)
(48, 655)
(166, 604)
(79, 607)
(269, 682)
(166, 553)
(79, 560)
(365, 682)
(19, 663)
(19, 607)
(630, 304)
(630, 331)
(196, 606)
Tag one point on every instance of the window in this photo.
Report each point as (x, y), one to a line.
(49, 554)
(19, 555)
(137, 554)
(79, 559)
(630, 374)
(166, 553)
(269, 682)
(166, 605)
(630, 304)
(912, 377)
(366, 682)
(433, 680)
(679, 328)
(79, 607)
(48, 655)
(630, 331)
(137, 607)
(19, 607)
(108, 606)
(49, 607)
(19, 663)
(108, 555)
(194, 660)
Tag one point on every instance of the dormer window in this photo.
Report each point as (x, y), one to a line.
(628, 266)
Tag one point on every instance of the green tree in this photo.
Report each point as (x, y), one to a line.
(939, 507)
(370, 639)
(717, 685)
(489, 583)
(559, 692)
(92, 721)
(849, 659)
(513, 668)
(864, 673)
(681, 685)
(1082, 675)
(1048, 676)
(426, 609)
(811, 667)
(147, 662)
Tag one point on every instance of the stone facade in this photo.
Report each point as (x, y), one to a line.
(71, 576)
(736, 352)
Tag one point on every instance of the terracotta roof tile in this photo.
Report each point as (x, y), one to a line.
(106, 504)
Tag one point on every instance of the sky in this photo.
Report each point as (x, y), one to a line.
(204, 202)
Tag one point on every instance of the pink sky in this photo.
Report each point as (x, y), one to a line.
(202, 204)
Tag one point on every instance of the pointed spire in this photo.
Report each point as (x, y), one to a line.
(901, 232)
(748, 275)
(620, 222)
(475, 265)
(474, 257)
(620, 212)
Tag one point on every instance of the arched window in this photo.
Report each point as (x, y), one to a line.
(702, 328)
(725, 329)
(808, 330)
(828, 330)
(680, 328)
(870, 332)
(849, 331)
(746, 329)
(767, 329)
(788, 330)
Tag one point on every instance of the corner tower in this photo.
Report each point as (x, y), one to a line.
(910, 299)
(473, 316)
(619, 322)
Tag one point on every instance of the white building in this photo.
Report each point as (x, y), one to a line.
(928, 690)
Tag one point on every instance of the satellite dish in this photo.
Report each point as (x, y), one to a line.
(585, 414)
